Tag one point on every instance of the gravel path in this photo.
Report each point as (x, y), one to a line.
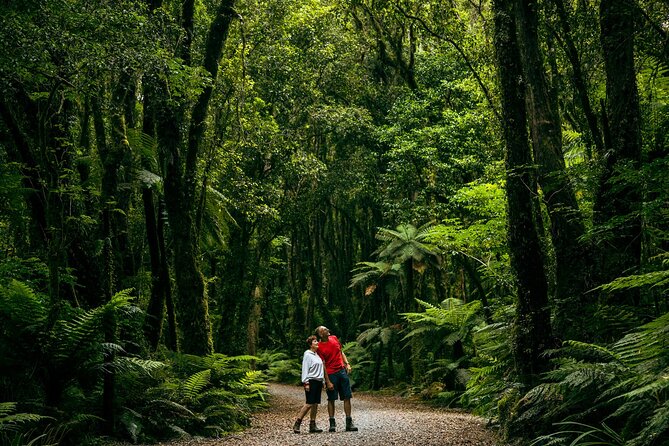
(382, 420)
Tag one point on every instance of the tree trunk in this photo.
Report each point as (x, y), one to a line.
(235, 288)
(579, 78)
(253, 326)
(180, 183)
(171, 336)
(532, 329)
(558, 194)
(155, 311)
(620, 253)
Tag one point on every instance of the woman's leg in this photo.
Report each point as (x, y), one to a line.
(303, 411)
(298, 421)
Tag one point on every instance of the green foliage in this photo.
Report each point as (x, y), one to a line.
(479, 236)
(373, 353)
(583, 434)
(443, 338)
(177, 395)
(406, 243)
(327, 121)
(65, 348)
(622, 388)
(280, 367)
(10, 421)
(193, 395)
(492, 388)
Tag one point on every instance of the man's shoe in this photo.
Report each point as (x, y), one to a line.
(333, 425)
(296, 426)
(349, 425)
(313, 429)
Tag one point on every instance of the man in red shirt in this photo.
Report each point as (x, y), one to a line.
(337, 369)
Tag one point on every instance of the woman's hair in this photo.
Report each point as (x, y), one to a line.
(311, 339)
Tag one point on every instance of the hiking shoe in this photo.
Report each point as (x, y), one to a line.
(313, 429)
(349, 425)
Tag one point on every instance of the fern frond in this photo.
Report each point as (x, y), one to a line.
(651, 279)
(126, 364)
(589, 351)
(656, 428)
(12, 422)
(171, 406)
(652, 390)
(21, 305)
(647, 344)
(6, 408)
(194, 384)
(143, 144)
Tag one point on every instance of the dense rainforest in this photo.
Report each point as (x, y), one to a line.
(473, 195)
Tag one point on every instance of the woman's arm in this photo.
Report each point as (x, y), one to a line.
(305, 369)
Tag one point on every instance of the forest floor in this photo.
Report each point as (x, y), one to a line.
(382, 420)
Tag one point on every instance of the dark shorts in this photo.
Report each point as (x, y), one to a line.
(313, 396)
(342, 386)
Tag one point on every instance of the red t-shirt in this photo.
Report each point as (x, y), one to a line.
(330, 353)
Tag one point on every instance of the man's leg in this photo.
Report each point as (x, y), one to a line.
(333, 395)
(349, 421)
(346, 395)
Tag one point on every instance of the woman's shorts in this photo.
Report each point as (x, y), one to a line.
(313, 396)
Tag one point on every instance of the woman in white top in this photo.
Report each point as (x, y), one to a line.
(313, 375)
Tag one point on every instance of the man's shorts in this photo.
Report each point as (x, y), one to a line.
(342, 386)
(313, 396)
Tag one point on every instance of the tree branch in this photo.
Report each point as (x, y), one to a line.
(457, 47)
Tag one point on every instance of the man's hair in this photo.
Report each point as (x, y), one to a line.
(311, 339)
(317, 331)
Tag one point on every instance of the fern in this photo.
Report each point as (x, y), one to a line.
(651, 279)
(10, 421)
(20, 306)
(126, 364)
(624, 385)
(192, 386)
(584, 435)
(74, 334)
(201, 395)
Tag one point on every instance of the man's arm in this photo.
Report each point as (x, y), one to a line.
(328, 383)
(347, 366)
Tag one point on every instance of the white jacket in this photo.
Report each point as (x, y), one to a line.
(312, 367)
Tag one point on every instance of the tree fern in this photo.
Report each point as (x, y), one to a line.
(365, 273)
(71, 335)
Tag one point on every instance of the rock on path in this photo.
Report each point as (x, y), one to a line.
(382, 421)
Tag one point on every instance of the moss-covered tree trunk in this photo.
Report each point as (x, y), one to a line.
(620, 252)
(558, 194)
(532, 329)
(579, 78)
(180, 164)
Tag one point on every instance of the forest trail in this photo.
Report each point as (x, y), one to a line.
(382, 420)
